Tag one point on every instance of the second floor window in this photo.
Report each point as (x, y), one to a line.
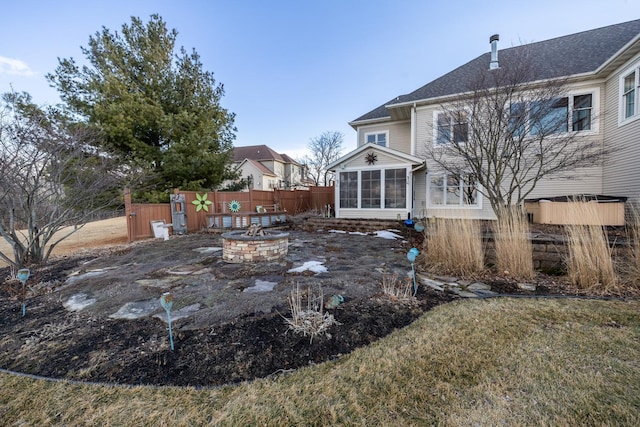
(556, 115)
(452, 128)
(582, 106)
(629, 95)
(377, 138)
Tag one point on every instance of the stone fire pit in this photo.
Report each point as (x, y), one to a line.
(238, 247)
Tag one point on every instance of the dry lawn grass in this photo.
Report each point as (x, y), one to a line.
(514, 252)
(453, 246)
(481, 362)
(95, 234)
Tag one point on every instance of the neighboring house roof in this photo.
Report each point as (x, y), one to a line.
(256, 152)
(288, 159)
(263, 169)
(580, 53)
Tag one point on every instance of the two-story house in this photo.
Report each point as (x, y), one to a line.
(389, 175)
(265, 169)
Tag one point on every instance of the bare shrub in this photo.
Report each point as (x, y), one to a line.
(398, 290)
(514, 252)
(589, 265)
(454, 246)
(310, 318)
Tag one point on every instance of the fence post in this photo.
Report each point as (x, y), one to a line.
(128, 214)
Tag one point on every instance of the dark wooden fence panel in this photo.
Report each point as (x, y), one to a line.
(321, 197)
(140, 215)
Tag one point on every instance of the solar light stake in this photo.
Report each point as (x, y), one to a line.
(166, 301)
(23, 275)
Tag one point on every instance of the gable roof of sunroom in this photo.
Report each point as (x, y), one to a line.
(593, 52)
(399, 155)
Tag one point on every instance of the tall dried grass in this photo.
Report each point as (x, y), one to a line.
(454, 246)
(631, 269)
(514, 252)
(589, 265)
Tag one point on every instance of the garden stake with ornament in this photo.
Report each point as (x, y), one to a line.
(166, 301)
(411, 256)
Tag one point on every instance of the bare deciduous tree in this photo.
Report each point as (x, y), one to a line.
(51, 180)
(510, 130)
(325, 149)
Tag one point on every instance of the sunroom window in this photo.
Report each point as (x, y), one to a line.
(349, 190)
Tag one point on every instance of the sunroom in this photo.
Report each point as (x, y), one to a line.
(375, 182)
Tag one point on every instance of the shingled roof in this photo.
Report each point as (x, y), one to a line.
(256, 152)
(570, 55)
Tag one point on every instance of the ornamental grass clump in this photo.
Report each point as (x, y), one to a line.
(309, 319)
(631, 269)
(589, 264)
(398, 290)
(514, 252)
(454, 246)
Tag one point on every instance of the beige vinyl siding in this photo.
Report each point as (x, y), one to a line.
(419, 209)
(373, 213)
(485, 213)
(424, 129)
(399, 134)
(621, 175)
(360, 162)
(579, 181)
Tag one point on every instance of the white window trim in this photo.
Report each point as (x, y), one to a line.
(595, 113)
(382, 169)
(477, 206)
(622, 120)
(386, 138)
(436, 113)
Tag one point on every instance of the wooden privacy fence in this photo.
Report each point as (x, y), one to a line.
(140, 215)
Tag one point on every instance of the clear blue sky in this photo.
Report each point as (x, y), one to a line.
(295, 68)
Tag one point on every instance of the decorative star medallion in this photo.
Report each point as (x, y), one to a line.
(371, 158)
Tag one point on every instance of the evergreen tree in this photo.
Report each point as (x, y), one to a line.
(159, 110)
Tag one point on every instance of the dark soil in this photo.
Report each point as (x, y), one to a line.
(223, 334)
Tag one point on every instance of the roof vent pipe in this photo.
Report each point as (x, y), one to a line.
(494, 51)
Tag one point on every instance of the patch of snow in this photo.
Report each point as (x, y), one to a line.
(360, 233)
(314, 266)
(388, 234)
(261, 286)
(136, 310)
(207, 250)
(77, 302)
(178, 314)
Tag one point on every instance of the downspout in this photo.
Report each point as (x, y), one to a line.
(414, 129)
